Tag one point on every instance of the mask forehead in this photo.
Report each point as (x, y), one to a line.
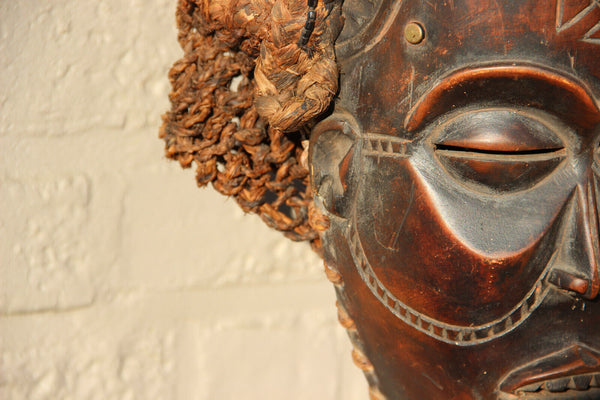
(381, 84)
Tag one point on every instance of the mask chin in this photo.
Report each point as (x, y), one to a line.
(332, 148)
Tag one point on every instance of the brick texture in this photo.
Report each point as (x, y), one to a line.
(119, 278)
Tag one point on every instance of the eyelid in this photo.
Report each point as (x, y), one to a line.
(498, 131)
(519, 85)
(500, 150)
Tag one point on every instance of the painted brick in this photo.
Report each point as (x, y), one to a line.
(46, 264)
(119, 278)
(70, 66)
(86, 361)
(183, 224)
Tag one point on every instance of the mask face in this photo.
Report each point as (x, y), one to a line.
(460, 172)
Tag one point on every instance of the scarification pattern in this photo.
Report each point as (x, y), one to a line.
(569, 385)
(562, 25)
(376, 145)
(453, 334)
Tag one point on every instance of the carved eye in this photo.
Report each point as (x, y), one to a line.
(499, 150)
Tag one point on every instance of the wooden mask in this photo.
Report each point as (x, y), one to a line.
(459, 170)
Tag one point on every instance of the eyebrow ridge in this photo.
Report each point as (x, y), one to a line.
(433, 97)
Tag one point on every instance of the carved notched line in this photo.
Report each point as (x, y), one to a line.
(375, 145)
(463, 336)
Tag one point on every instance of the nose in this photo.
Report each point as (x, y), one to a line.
(575, 266)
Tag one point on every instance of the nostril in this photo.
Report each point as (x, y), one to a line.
(568, 281)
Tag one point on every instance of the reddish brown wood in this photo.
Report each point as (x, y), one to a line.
(460, 176)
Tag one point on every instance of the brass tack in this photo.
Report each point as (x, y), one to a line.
(414, 33)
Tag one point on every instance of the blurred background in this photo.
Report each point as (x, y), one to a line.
(119, 278)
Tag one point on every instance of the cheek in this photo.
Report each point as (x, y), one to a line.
(448, 255)
(495, 225)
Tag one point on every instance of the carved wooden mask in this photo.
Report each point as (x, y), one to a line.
(459, 170)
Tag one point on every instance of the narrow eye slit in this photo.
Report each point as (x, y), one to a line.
(517, 155)
(499, 150)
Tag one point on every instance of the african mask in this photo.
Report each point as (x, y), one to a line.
(456, 172)
(459, 170)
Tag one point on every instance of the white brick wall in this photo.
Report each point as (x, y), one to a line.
(119, 279)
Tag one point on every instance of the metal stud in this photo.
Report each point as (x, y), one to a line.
(414, 33)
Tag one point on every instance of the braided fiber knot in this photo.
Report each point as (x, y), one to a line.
(294, 86)
(243, 97)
